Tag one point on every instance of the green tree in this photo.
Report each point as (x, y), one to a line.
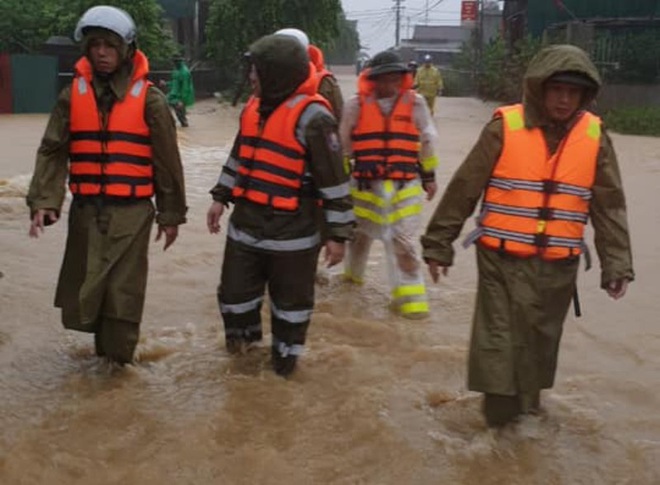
(500, 73)
(26, 29)
(637, 57)
(344, 49)
(234, 24)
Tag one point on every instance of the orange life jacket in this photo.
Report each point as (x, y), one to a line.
(115, 161)
(385, 147)
(537, 204)
(316, 57)
(271, 159)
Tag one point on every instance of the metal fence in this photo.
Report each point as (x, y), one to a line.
(458, 83)
(206, 81)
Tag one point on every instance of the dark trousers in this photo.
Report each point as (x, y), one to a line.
(289, 277)
(180, 111)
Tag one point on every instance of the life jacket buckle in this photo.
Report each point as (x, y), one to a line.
(546, 214)
(550, 186)
(541, 240)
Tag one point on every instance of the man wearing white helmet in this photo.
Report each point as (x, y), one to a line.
(428, 82)
(328, 86)
(111, 134)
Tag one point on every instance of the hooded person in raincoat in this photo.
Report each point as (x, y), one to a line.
(284, 169)
(544, 168)
(428, 82)
(111, 133)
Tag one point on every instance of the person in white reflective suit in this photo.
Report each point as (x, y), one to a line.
(390, 147)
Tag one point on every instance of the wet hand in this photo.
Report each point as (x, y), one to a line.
(171, 233)
(617, 289)
(41, 219)
(434, 270)
(334, 253)
(213, 217)
(430, 188)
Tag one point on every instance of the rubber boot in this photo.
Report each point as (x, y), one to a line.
(283, 365)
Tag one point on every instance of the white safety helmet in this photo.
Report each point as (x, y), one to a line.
(297, 34)
(111, 18)
(427, 58)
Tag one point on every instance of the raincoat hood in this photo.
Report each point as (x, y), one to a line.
(366, 86)
(548, 62)
(282, 65)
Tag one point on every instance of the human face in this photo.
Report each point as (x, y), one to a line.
(254, 81)
(388, 85)
(103, 55)
(562, 100)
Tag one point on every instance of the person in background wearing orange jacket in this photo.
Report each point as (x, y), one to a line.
(111, 134)
(328, 87)
(543, 168)
(388, 131)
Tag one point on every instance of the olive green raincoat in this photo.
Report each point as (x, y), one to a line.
(104, 272)
(521, 303)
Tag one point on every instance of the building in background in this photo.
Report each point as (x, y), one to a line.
(444, 42)
(186, 20)
(622, 37)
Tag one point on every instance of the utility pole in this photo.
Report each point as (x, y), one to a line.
(397, 33)
(426, 16)
(481, 34)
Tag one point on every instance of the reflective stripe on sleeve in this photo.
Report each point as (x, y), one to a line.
(336, 217)
(227, 180)
(336, 192)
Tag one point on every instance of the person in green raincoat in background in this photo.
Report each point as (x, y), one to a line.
(544, 167)
(112, 134)
(180, 90)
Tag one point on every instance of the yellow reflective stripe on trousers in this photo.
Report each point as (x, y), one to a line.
(407, 193)
(395, 216)
(415, 307)
(368, 197)
(363, 213)
(409, 290)
(404, 212)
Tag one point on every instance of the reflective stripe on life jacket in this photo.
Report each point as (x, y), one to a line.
(272, 160)
(386, 147)
(115, 160)
(537, 204)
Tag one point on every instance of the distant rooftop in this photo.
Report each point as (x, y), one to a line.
(441, 33)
